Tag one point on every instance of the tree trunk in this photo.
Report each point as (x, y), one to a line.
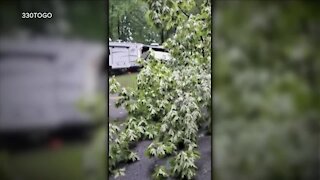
(118, 26)
(162, 35)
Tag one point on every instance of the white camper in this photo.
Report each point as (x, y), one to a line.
(41, 81)
(124, 55)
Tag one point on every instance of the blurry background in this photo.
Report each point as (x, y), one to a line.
(266, 90)
(52, 79)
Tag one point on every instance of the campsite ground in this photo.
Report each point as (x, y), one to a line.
(142, 169)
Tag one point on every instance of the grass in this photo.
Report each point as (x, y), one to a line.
(127, 80)
(81, 161)
(46, 164)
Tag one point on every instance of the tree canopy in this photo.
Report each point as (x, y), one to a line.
(266, 90)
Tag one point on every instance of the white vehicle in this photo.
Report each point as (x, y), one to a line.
(159, 52)
(124, 55)
(41, 80)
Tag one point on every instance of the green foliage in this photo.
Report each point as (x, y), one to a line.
(130, 20)
(127, 22)
(119, 172)
(160, 149)
(119, 149)
(266, 90)
(160, 173)
(172, 98)
(184, 164)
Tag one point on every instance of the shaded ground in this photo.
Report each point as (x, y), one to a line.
(204, 163)
(115, 113)
(142, 169)
(127, 80)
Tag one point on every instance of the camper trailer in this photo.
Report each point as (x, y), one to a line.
(124, 55)
(41, 80)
